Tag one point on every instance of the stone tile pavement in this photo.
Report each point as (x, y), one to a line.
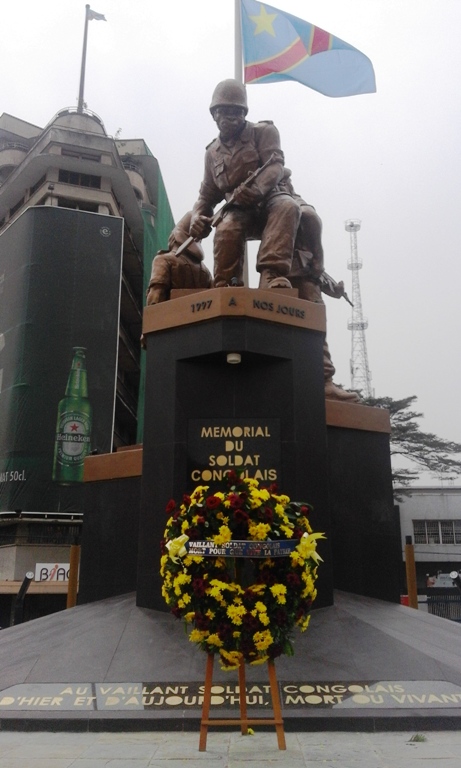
(434, 749)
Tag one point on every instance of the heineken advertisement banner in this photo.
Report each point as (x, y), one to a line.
(60, 273)
(251, 446)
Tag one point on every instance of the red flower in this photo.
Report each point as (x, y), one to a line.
(281, 617)
(170, 507)
(213, 502)
(293, 580)
(232, 477)
(241, 516)
(305, 510)
(225, 631)
(201, 622)
(186, 500)
(268, 514)
(235, 501)
(250, 622)
(199, 586)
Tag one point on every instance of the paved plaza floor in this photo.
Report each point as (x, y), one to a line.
(435, 749)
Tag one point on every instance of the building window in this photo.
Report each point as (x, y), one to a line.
(81, 155)
(78, 205)
(17, 206)
(437, 531)
(80, 179)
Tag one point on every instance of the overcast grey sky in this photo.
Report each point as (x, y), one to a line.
(391, 159)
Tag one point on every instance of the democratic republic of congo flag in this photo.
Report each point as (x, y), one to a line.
(279, 46)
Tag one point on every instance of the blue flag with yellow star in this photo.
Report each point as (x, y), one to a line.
(279, 46)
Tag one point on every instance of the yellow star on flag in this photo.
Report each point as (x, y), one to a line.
(264, 22)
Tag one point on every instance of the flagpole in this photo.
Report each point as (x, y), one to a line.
(238, 60)
(82, 70)
(238, 74)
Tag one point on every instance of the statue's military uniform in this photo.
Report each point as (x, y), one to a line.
(273, 218)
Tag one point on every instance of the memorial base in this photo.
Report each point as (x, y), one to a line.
(333, 455)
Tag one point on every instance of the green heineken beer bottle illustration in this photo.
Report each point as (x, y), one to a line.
(73, 428)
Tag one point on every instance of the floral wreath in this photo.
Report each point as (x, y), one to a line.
(241, 609)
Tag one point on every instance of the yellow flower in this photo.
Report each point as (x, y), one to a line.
(263, 640)
(231, 659)
(255, 500)
(280, 510)
(279, 591)
(305, 623)
(287, 530)
(260, 607)
(236, 613)
(225, 534)
(214, 640)
(190, 559)
(197, 635)
(282, 498)
(260, 660)
(199, 491)
(211, 614)
(309, 582)
(215, 592)
(179, 580)
(189, 617)
(185, 526)
(259, 531)
(296, 558)
(260, 611)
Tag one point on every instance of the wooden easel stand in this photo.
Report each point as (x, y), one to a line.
(244, 721)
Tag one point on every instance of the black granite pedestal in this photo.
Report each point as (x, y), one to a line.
(198, 403)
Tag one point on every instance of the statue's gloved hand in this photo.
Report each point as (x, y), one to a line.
(200, 226)
(247, 196)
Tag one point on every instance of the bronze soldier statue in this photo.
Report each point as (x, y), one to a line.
(262, 210)
(184, 271)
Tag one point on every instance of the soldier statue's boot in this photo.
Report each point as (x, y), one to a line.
(335, 392)
(270, 279)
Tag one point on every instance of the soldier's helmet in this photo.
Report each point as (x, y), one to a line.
(229, 93)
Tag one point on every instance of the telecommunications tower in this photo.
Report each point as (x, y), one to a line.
(360, 372)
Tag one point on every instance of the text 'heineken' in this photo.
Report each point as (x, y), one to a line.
(73, 428)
